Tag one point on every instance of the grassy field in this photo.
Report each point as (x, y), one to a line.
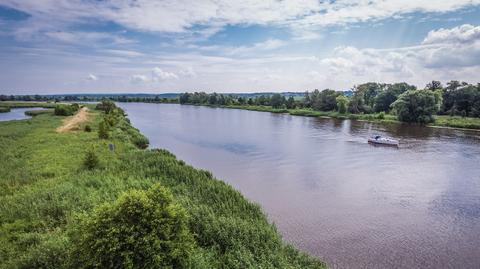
(44, 188)
(440, 120)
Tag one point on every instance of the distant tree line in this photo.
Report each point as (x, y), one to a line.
(406, 101)
(89, 98)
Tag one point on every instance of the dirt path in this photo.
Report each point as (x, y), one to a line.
(72, 123)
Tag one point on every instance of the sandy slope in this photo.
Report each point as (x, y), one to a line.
(72, 123)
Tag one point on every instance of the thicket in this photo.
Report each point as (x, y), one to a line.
(66, 110)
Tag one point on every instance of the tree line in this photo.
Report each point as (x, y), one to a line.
(402, 99)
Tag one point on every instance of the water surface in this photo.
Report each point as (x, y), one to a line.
(330, 193)
(17, 113)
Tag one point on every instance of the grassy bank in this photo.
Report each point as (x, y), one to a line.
(34, 113)
(46, 192)
(440, 120)
(4, 109)
(11, 104)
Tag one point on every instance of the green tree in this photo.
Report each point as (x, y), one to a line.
(416, 106)
(290, 102)
(385, 99)
(142, 229)
(342, 102)
(276, 101)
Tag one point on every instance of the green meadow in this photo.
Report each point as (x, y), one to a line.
(68, 201)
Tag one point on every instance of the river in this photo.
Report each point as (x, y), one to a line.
(328, 191)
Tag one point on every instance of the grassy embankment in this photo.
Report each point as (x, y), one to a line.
(44, 187)
(440, 120)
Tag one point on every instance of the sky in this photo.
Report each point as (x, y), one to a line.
(160, 46)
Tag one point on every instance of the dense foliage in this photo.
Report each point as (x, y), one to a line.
(142, 229)
(66, 110)
(50, 205)
(458, 98)
(416, 106)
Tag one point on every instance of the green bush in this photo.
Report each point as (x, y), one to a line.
(381, 115)
(142, 229)
(91, 160)
(87, 128)
(103, 130)
(66, 110)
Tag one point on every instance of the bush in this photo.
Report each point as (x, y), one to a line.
(103, 130)
(66, 110)
(91, 160)
(142, 229)
(87, 128)
(381, 115)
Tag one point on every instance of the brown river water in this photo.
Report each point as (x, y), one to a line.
(328, 191)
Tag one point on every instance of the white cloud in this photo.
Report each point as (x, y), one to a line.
(138, 78)
(179, 16)
(159, 75)
(444, 54)
(461, 34)
(92, 77)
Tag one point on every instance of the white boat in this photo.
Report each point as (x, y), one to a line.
(379, 140)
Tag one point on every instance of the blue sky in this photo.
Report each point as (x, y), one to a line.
(75, 46)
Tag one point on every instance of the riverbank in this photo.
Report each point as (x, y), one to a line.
(46, 191)
(440, 120)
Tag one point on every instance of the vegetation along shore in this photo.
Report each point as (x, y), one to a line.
(92, 196)
(457, 104)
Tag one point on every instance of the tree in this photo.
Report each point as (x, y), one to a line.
(276, 101)
(342, 102)
(369, 91)
(106, 105)
(290, 102)
(385, 98)
(142, 229)
(434, 85)
(356, 104)
(416, 106)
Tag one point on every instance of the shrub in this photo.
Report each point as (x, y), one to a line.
(91, 160)
(142, 229)
(88, 128)
(103, 130)
(66, 110)
(381, 115)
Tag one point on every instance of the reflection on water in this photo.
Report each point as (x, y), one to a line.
(332, 194)
(17, 114)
